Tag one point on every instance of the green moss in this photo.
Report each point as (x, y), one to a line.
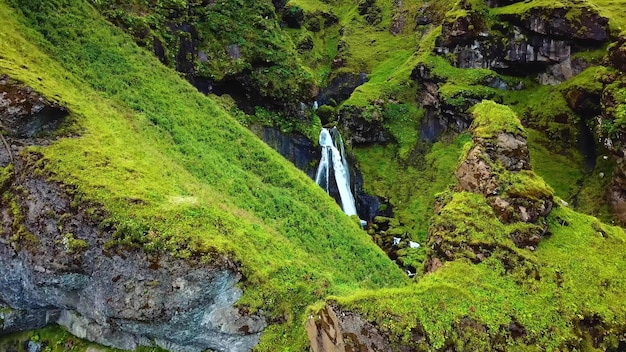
(491, 119)
(6, 177)
(526, 184)
(267, 56)
(73, 244)
(562, 170)
(411, 185)
(55, 339)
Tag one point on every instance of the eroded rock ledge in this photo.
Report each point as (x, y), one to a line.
(55, 266)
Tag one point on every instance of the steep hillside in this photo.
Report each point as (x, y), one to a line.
(140, 210)
(158, 168)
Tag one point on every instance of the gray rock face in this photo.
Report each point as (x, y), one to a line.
(538, 38)
(123, 299)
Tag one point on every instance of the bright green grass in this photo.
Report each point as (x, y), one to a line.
(581, 268)
(387, 59)
(561, 171)
(177, 174)
(411, 188)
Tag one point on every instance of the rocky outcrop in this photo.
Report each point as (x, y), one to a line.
(335, 330)
(294, 147)
(497, 168)
(439, 117)
(340, 88)
(59, 263)
(574, 23)
(497, 161)
(362, 131)
(540, 38)
(24, 113)
(617, 53)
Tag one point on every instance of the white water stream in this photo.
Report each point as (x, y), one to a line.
(333, 157)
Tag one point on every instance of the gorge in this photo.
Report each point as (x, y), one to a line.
(186, 175)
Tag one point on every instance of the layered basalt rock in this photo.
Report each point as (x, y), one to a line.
(540, 38)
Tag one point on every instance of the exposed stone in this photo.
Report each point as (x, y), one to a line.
(362, 131)
(475, 175)
(562, 71)
(114, 296)
(294, 147)
(560, 23)
(335, 330)
(617, 54)
(510, 150)
(123, 299)
(462, 29)
(341, 88)
(24, 113)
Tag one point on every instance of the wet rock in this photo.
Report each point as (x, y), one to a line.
(341, 88)
(294, 147)
(362, 131)
(189, 41)
(24, 113)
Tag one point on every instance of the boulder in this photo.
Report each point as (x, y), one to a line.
(24, 113)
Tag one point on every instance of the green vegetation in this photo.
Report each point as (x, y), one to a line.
(55, 339)
(256, 48)
(575, 285)
(176, 174)
(491, 119)
(562, 171)
(411, 186)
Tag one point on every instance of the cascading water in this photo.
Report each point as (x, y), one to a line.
(333, 157)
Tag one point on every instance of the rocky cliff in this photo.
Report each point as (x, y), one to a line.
(57, 265)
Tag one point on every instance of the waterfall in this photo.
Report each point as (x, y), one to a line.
(333, 157)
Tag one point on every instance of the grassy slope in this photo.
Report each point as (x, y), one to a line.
(581, 268)
(178, 174)
(556, 293)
